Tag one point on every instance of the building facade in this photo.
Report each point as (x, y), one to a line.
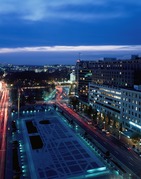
(111, 72)
(107, 102)
(131, 110)
(83, 77)
(72, 76)
(121, 106)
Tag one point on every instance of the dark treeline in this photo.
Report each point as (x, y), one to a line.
(31, 78)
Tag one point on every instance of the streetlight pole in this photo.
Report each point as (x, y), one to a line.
(97, 120)
(18, 103)
(104, 125)
(119, 135)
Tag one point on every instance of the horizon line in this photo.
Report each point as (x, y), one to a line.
(69, 48)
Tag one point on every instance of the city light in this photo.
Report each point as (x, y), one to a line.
(0, 85)
(136, 125)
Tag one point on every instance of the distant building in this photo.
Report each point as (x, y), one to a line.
(84, 77)
(72, 76)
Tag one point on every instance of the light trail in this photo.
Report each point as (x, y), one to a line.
(3, 127)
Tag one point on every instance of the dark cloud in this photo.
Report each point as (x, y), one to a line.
(31, 23)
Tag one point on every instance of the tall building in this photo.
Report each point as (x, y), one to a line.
(119, 73)
(111, 72)
(113, 88)
(83, 77)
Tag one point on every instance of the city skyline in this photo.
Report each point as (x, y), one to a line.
(35, 29)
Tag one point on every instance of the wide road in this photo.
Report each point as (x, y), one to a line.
(3, 127)
(129, 160)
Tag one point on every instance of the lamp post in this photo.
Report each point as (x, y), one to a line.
(119, 135)
(104, 125)
(97, 120)
(18, 103)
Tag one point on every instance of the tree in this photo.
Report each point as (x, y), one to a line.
(74, 101)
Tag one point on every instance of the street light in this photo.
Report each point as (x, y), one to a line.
(97, 120)
(104, 125)
(18, 103)
(119, 135)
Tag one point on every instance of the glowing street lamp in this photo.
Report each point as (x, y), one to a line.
(104, 125)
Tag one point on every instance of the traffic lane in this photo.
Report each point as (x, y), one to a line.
(118, 142)
(122, 155)
(4, 111)
(124, 147)
(96, 135)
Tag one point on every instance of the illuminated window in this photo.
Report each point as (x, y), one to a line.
(136, 102)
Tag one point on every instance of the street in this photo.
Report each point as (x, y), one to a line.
(3, 127)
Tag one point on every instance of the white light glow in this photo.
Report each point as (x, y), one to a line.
(0, 85)
(136, 125)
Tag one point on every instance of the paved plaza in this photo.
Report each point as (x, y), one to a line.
(56, 151)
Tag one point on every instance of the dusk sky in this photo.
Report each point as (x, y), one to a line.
(57, 31)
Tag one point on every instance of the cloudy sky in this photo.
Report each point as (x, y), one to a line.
(57, 31)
